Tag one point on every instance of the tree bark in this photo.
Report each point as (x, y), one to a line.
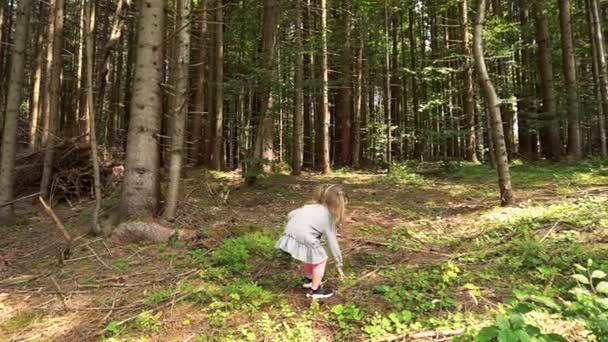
(90, 60)
(550, 140)
(13, 103)
(218, 141)
(344, 107)
(180, 109)
(468, 95)
(264, 146)
(54, 63)
(569, 68)
(323, 134)
(528, 140)
(140, 192)
(387, 89)
(199, 97)
(359, 105)
(504, 175)
(602, 73)
(298, 119)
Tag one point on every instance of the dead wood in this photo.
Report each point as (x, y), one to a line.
(434, 334)
(66, 251)
(130, 232)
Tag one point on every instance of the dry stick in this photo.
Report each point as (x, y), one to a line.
(358, 280)
(60, 292)
(107, 249)
(19, 199)
(423, 334)
(58, 223)
(97, 256)
(549, 232)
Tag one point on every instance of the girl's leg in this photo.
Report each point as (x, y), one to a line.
(308, 270)
(318, 271)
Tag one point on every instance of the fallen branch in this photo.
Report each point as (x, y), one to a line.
(98, 257)
(65, 253)
(19, 199)
(19, 279)
(60, 292)
(423, 334)
(550, 231)
(358, 280)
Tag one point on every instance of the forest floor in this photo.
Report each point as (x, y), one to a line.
(429, 254)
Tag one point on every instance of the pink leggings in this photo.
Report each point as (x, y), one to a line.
(315, 272)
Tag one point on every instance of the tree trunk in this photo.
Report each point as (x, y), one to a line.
(569, 68)
(504, 175)
(298, 118)
(528, 140)
(90, 60)
(358, 104)
(387, 89)
(140, 192)
(218, 141)
(344, 107)
(264, 147)
(53, 92)
(199, 97)
(180, 109)
(550, 140)
(468, 96)
(598, 41)
(323, 134)
(13, 103)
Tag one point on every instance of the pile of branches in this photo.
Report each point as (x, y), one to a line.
(72, 171)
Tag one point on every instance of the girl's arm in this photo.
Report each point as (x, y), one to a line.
(334, 247)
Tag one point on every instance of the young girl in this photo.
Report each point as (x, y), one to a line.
(302, 236)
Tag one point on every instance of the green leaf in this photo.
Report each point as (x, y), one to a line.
(580, 278)
(524, 308)
(503, 323)
(598, 275)
(548, 302)
(580, 268)
(487, 334)
(517, 321)
(338, 309)
(603, 302)
(507, 336)
(523, 335)
(532, 330)
(589, 263)
(555, 338)
(602, 287)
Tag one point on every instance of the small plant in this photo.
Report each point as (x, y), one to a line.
(121, 266)
(590, 302)
(157, 296)
(346, 315)
(114, 328)
(234, 253)
(147, 321)
(514, 328)
(394, 323)
(246, 295)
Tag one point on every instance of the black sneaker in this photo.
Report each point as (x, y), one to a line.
(319, 293)
(307, 283)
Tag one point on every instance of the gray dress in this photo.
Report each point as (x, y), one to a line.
(302, 236)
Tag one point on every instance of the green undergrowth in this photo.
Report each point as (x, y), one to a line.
(593, 172)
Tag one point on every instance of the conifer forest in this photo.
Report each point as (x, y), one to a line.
(152, 153)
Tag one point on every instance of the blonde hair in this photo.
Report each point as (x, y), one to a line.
(334, 198)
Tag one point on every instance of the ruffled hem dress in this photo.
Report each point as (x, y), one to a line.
(302, 236)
